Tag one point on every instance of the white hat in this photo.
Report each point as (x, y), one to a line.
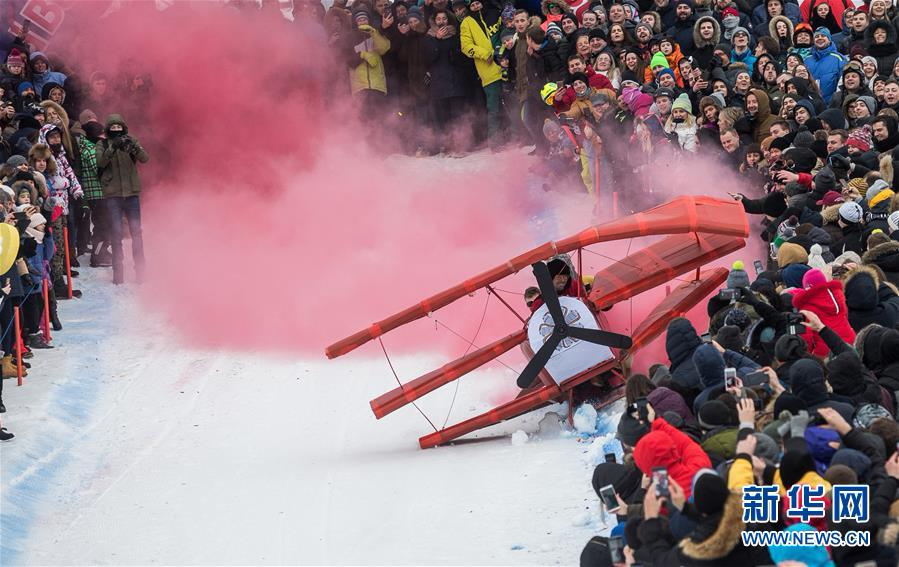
(851, 212)
(893, 221)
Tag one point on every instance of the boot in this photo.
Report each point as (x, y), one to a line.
(54, 320)
(26, 352)
(118, 275)
(8, 367)
(74, 263)
(37, 341)
(2, 407)
(102, 259)
(5, 435)
(75, 273)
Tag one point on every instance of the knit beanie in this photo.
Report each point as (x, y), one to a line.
(860, 138)
(851, 212)
(658, 60)
(715, 413)
(766, 448)
(737, 277)
(893, 221)
(840, 474)
(683, 102)
(631, 430)
(875, 188)
(789, 347)
(792, 274)
(790, 253)
(816, 260)
(15, 59)
(709, 492)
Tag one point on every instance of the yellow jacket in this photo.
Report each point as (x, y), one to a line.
(369, 74)
(477, 45)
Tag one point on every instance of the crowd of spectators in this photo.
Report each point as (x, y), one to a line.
(68, 166)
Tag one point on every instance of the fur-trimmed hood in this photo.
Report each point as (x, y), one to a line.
(560, 3)
(716, 36)
(772, 27)
(882, 251)
(725, 537)
(831, 214)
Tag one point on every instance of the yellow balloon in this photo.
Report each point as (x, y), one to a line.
(9, 246)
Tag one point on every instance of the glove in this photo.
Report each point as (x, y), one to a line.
(27, 282)
(798, 423)
(370, 58)
(118, 143)
(366, 28)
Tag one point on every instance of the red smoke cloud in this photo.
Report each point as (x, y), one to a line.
(269, 221)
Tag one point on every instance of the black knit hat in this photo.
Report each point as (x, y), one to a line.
(781, 143)
(788, 402)
(845, 373)
(630, 430)
(789, 347)
(715, 413)
(709, 493)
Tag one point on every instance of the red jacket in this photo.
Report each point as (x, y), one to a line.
(826, 300)
(665, 446)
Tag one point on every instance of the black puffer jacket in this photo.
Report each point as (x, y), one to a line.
(681, 340)
(870, 301)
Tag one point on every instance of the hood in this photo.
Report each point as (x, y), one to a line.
(115, 119)
(764, 105)
(867, 344)
(830, 215)
(820, 237)
(818, 440)
(560, 3)
(681, 340)
(625, 478)
(885, 256)
(772, 27)
(716, 35)
(655, 449)
(709, 365)
(878, 50)
(860, 289)
(664, 400)
(824, 299)
(46, 129)
(822, 53)
(807, 382)
(834, 117)
(725, 536)
(39, 55)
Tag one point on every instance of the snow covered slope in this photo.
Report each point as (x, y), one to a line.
(130, 449)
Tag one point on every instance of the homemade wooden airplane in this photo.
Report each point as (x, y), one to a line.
(571, 339)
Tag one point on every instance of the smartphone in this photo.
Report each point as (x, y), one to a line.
(616, 549)
(660, 481)
(730, 377)
(20, 216)
(607, 494)
(758, 267)
(756, 378)
(610, 458)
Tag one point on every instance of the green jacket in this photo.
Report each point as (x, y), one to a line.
(117, 163)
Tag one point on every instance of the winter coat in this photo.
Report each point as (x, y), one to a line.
(885, 53)
(665, 446)
(703, 50)
(784, 43)
(886, 257)
(851, 240)
(715, 541)
(685, 132)
(366, 61)
(48, 76)
(682, 32)
(720, 442)
(446, 65)
(410, 53)
(117, 166)
(476, 34)
(825, 300)
(39, 264)
(825, 66)
(681, 341)
(710, 365)
(869, 300)
(763, 118)
(807, 383)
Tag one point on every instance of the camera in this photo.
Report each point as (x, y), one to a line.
(729, 294)
(794, 323)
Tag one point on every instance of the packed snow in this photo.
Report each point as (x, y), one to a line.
(131, 449)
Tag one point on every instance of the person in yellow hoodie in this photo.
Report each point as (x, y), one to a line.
(479, 34)
(365, 47)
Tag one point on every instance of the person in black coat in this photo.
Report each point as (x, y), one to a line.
(870, 300)
(807, 383)
(447, 74)
(682, 29)
(681, 340)
(880, 39)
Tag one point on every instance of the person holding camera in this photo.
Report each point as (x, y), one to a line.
(117, 158)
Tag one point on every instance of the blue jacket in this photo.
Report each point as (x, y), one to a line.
(747, 58)
(825, 66)
(39, 263)
(48, 76)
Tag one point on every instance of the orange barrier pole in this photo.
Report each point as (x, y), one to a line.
(65, 241)
(18, 329)
(45, 319)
